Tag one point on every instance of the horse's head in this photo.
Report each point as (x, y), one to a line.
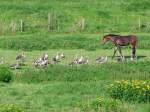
(107, 38)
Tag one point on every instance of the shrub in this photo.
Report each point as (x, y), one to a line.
(135, 90)
(5, 74)
(10, 108)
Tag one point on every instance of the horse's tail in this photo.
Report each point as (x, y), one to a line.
(136, 39)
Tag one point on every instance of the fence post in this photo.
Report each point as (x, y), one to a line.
(82, 24)
(21, 26)
(139, 23)
(56, 23)
(49, 21)
(53, 24)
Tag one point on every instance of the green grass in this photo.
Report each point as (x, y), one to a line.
(64, 88)
(100, 16)
(10, 55)
(43, 97)
(41, 41)
(87, 73)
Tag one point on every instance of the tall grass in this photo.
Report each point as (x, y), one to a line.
(75, 41)
(136, 70)
(100, 16)
(64, 88)
(42, 42)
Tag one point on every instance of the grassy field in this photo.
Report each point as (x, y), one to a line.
(100, 16)
(64, 88)
(43, 41)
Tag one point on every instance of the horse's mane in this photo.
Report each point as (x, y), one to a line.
(112, 35)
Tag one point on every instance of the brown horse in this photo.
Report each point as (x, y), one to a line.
(120, 41)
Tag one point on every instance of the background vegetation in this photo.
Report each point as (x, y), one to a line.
(100, 16)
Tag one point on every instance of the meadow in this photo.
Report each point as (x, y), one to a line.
(66, 88)
(100, 16)
(79, 88)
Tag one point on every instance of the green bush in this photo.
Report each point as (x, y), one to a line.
(5, 74)
(135, 90)
(10, 108)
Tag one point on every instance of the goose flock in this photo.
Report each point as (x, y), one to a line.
(44, 60)
(79, 60)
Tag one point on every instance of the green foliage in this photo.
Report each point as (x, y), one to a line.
(5, 74)
(10, 108)
(135, 90)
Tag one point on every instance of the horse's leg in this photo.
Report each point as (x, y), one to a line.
(115, 50)
(133, 52)
(119, 49)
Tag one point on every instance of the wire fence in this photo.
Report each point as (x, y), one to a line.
(55, 24)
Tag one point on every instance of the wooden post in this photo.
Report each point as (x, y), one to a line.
(139, 24)
(54, 22)
(21, 26)
(49, 22)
